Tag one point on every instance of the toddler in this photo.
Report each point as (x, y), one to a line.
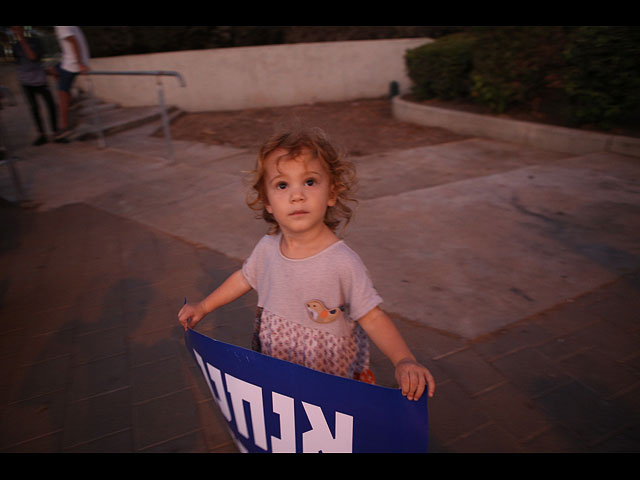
(317, 306)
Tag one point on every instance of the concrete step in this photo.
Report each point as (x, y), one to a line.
(111, 118)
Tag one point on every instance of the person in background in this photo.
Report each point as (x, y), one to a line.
(32, 76)
(75, 60)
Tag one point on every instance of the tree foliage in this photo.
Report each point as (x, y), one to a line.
(107, 41)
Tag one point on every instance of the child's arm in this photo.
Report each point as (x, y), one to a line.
(410, 375)
(232, 288)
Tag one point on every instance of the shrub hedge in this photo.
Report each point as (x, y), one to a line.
(602, 74)
(442, 69)
(596, 68)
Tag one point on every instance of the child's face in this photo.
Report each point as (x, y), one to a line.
(298, 191)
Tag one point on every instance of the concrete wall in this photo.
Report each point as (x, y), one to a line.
(253, 77)
(548, 137)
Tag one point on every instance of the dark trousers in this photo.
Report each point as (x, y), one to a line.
(31, 92)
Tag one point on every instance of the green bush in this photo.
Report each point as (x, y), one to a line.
(591, 72)
(602, 75)
(441, 69)
(512, 65)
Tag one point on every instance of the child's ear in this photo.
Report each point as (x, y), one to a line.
(333, 197)
(268, 208)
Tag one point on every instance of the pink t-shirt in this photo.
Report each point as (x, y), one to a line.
(310, 306)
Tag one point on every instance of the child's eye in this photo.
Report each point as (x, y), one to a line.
(281, 185)
(310, 182)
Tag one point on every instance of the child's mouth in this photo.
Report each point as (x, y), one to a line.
(299, 212)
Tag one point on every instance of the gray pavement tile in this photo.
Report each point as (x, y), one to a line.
(601, 373)
(531, 371)
(490, 438)
(430, 166)
(33, 419)
(99, 344)
(511, 339)
(586, 415)
(513, 411)
(452, 414)
(51, 442)
(99, 377)
(626, 441)
(192, 442)
(470, 372)
(603, 336)
(165, 418)
(567, 317)
(38, 347)
(523, 260)
(42, 378)
(97, 417)
(156, 379)
(154, 344)
(117, 442)
(555, 439)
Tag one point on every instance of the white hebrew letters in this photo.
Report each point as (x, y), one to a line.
(318, 439)
(242, 391)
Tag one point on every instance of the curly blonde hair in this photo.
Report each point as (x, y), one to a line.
(342, 174)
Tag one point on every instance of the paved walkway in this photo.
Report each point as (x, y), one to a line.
(513, 275)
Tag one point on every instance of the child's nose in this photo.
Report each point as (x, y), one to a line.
(297, 194)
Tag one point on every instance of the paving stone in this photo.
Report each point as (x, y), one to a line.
(99, 344)
(214, 427)
(513, 411)
(469, 371)
(157, 379)
(606, 337)
(99, 377)
(531, 371)
(556, 439)
(633, 362)
(628, 402)
(487, 439)
(47, 443)
(165, 418)
(626, 441)
(32, 418)
(567, 317)
(192, 442)
(600, 372)
(511, 339)
(148, 346)
(42, 378)
(36, 348)
(429, 342)
(452, 413)
(118, 442)
(582, 412)
(96, 417)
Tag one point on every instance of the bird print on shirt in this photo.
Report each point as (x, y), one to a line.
(320, 313)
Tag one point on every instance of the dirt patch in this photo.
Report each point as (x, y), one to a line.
(361, 127)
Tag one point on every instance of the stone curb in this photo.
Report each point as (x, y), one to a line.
(558, 139)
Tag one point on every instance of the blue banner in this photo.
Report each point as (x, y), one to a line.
(276, 406)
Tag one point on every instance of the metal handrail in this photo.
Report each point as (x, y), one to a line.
(141, 72)
(156, 73)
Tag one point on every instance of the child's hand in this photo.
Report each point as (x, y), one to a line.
(413, 378)
(193, 312)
